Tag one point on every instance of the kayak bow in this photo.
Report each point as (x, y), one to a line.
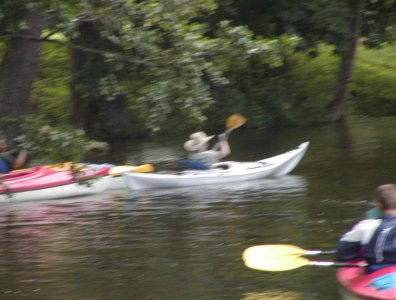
(356, 284)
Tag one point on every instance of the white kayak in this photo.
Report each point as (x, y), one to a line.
(223, 172)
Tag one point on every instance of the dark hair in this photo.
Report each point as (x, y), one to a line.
(386, 195)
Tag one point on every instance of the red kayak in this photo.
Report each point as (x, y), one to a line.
(356, 284)
(47, 182)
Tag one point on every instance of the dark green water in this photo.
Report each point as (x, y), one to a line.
(187, 243)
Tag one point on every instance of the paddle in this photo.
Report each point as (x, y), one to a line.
(263, 259)
(285, 249)
(233, 122)
(118, 170)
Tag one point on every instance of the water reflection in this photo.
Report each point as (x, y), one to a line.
(166, 236)
(187, 243)
(36, 239)
(272, 295)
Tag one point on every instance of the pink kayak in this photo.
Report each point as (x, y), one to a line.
(46, 182)
(356, 284)
(19, 173)
(9, 180)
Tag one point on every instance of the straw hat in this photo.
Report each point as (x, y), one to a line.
(197, 141)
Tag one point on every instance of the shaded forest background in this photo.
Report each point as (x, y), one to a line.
(73, 73)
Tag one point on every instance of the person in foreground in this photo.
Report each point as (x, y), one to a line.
(197, 147)
(10, 159)
(373, 239)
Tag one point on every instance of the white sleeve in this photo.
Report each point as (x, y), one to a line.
(362, 231)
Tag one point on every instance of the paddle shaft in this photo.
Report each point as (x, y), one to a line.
(285, 249)
(336, 264)
(320, 252)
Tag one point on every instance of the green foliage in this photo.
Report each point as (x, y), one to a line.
(50, 92)
(255, 64)
(8, 125)
(2, 48)
(178, 63)
(379, 22)
(166, 61)
(373, 87)
(311, 85)
(295, 93)
(315, 21)
(50, 144)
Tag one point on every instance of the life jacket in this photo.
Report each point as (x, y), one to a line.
(381, 249)
(6, 162)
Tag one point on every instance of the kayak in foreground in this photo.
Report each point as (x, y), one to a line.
(223, 172)
(51, 183)
(356, 284)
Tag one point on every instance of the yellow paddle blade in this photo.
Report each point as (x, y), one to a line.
(279, 249)
(264, 260)
(235, 121)
(118, 170)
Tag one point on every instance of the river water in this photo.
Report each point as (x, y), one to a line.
(187, 243)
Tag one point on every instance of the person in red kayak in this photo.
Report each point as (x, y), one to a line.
(10, 159)
(373, 239)
(198, 145)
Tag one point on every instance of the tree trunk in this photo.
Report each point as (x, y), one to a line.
(19, 67)
(346, 63)
(99, 117)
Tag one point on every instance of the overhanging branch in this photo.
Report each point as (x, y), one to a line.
(46, 38)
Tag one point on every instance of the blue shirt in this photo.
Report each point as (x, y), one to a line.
(208, 157)
(6, 161)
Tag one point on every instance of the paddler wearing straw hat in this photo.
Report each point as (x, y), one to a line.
(198, 144)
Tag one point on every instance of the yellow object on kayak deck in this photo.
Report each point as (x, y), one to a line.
(63, 166)
(118, 170)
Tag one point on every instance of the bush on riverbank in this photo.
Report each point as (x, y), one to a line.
(373, 86)
(295, 94)
(312, 84)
